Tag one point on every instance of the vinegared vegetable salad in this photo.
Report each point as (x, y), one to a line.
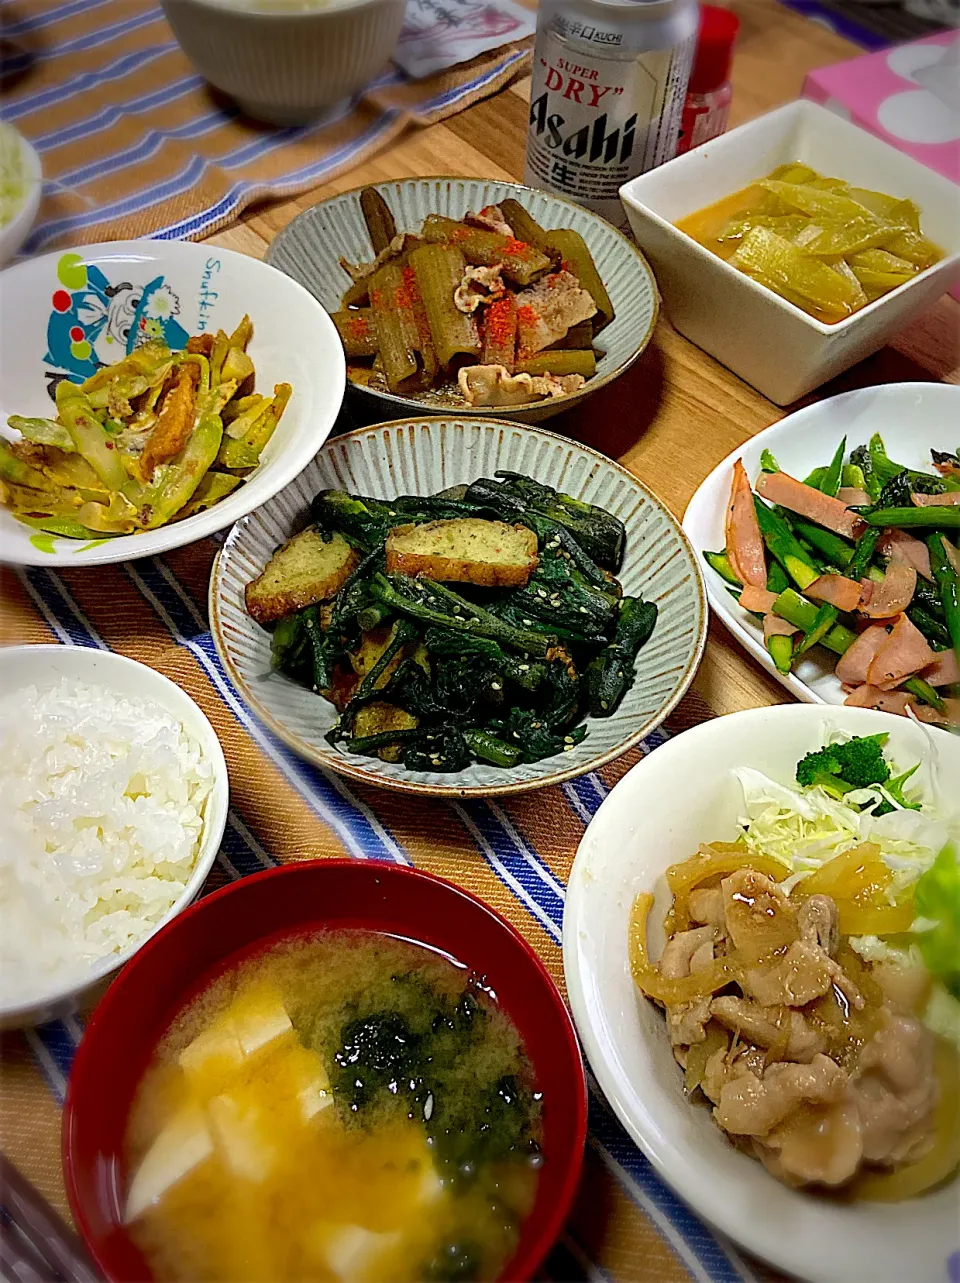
(499, 669)
(341, 1106)
(811, 975)
(153, 438)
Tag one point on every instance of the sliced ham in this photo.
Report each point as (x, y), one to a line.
(853, 497)
(853, 663)
(944, 670)
(824, 509)
(868, 696)
(774, 626)
(838, 590)
(899, 546)
(759, 600)
(949, 499)
(893, 593)
(904, 653)
(949, 717)
(744, 541)
(953, 555)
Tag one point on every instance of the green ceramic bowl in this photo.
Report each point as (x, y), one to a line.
(309, 249)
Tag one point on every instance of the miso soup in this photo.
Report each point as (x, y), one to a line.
(342, 1106)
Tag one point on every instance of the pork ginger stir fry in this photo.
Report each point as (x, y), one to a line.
(814, 1061)
(488, 310)
(153, 438)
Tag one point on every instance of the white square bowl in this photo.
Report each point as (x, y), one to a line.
(775, 346)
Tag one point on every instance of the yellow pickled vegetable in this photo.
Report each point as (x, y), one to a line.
(803, 235)
(825, 292)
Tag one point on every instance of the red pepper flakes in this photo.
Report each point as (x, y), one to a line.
(376, 297)
(519, 249)
(406, 294)
(500, 321)
(527, 315)
(358, 327)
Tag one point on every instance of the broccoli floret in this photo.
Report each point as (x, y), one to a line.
(839, 768)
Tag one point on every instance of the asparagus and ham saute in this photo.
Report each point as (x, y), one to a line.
(861, 559)
(491, 309)
(477, 624)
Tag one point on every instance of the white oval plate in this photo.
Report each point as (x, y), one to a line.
(659, 813)
(42, 665)
(174, 289)
(422, 456)
(912, 418)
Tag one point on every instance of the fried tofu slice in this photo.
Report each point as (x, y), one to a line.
(173, 427)
(378, 717)
(467, 550)
(307, 569)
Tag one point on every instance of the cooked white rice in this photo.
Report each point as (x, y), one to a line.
(101, 816)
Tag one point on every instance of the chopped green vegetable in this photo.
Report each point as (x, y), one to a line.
(938, 898)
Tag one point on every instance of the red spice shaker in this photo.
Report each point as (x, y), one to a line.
(709, 91)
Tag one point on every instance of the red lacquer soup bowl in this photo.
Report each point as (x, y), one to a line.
(172, 967)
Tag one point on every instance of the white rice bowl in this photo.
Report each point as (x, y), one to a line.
(112, 806)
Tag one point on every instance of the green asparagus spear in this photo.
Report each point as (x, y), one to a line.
(833, 548)
(802, 613)
(781, 651)
(721, 564)
(948, 582)
(830, 481)
(787, 549)
(934, 518)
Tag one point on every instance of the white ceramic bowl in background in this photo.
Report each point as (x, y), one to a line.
(671, 801)
(912, 418)
(44, 665)
(286, 62)
(173, 288)
(311, 246)
(775, 346)
(17, 230)
(422, 456)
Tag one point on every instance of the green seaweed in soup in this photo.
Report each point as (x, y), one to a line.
(418, 1149)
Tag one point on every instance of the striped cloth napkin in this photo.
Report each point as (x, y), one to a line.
(134, 144)
(514, 853)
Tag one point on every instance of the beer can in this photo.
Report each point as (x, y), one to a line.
(609, 81)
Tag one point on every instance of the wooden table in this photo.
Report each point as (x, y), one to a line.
(678, 412)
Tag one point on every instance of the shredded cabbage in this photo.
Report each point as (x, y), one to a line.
(13, 180)
(803, 828)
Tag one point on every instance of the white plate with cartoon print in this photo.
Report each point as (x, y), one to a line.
(912, 418)
(64, 315)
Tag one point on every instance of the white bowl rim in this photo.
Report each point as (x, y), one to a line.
(344, 765)
(14, 233)
(214, 822)
(410, 404)
(667, 1157)
(259, 8)
(287, 465)
(628, 197)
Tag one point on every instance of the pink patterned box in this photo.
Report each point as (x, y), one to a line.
(908, 96)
